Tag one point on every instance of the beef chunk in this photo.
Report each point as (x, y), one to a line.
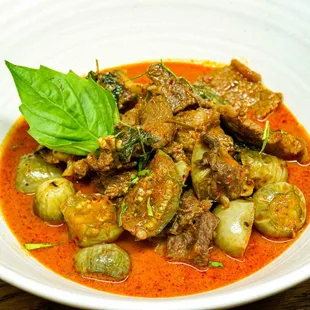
(280, 144)
(225, 141)
(191, 209)
(192, 245)
(116, 185)
(177, 91)
(131, 117)
(132, 142)
(115, 81)
(239, 85)
(105, 158)
(77, 169)
(227, 176)
(55, 157)
(176, 151)
(154, 115)
(199, 120)
(245, 71)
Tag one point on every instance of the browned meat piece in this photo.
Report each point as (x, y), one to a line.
(267, 104)
(132, 142)
(154, 115)
(134, 87)
(249, 74)
(105, 158)
(200, 120)
(131, 117)
(116, 82)
(116, 185)
(286, 146)
(193, 244)
(175, 150)
(77, 169)
(55, 157)
(225, 141)
(177, 91)
(239, 85)
(190, 210)
(282, 145)
(100, 161)
(227, 176)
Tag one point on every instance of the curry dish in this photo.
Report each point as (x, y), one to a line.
(154, 179)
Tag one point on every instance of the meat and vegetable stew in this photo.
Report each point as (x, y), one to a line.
(154, 179)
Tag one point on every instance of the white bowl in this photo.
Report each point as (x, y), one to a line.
(274, 36)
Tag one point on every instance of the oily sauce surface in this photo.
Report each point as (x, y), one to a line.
(151, 274)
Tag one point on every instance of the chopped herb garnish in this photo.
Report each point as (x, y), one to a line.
(136, 177)
(143, 173)
(131, 138)
(186, 126)
(265, 136)
(135, 180)
(167, 69)
(36, 246)
(123, 210)
(181, 78)
(215, 264)
(144, 161)
(141, 142)
(209, 94)
(136, 77)
(149, 207)
(203, 91)
(141, 163)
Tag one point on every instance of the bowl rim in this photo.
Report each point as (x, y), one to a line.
(123, 302)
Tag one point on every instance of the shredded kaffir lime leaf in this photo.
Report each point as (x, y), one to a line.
(36, 246)
(265, 136)
(123, 210)
(149, 207)
(215, 264)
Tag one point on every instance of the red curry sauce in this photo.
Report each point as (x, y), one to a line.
(151, 274)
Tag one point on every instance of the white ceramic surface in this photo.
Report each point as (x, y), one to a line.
(274, 36)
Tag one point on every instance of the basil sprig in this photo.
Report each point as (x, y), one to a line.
(65, 112)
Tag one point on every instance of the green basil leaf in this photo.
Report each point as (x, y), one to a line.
(36, 246)
(65, 112)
